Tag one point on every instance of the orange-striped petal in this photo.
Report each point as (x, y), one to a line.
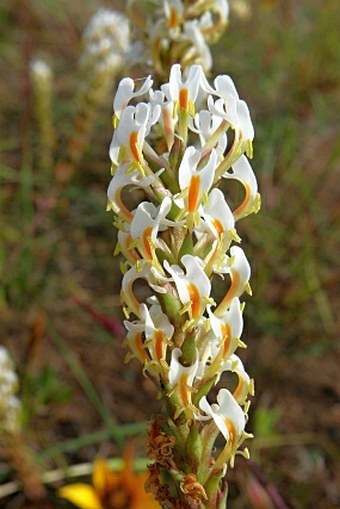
(193, 192)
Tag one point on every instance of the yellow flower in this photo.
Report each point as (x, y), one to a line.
(111, 490)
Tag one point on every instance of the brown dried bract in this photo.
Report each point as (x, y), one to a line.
(193, 489)
(160, 446)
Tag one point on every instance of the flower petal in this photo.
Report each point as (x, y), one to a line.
(227, 414)
(81, 495)
(217, 214)
(243, 172)
(245, 384)
(125, 93)
(181, 377)
(239, 274)
(194, 286)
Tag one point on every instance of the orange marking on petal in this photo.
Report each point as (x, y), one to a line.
(183, 98)
(159, 344)
(231, 430)
(194, 188)
(195, 300)
(218, 226)
(239, 388)
(235, 283)
(140, 346)
(122, 208)
(146, 242)
(156, 47)
(134, 146)
(183, 387)
(245, 202)
(132, 252)
(131, 300)
(173, 17)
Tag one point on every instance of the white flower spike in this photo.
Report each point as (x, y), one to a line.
(172, 145)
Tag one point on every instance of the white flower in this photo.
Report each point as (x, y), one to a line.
(134, 339)
(222, 340)
(147, 221)
(41, 71)
(227, 414)
(245, 124)
(124, 245)
(216, 214)
(227, 330)
(129, 278)
(148, 338)
(168, 119)
(219, 8)
(193, 286)
(205, 124)
(239, 271)
(10, 405)
(181, 377)
(195, 181)
(184, 91)
(242, 171)
(173, 10)
(199, 50)
(231, 108)
(222, 8)
(128, 139)
(125, 93)
(124, 177)
(245, 384)
(158, 332)
(106, 40)
(225, 106)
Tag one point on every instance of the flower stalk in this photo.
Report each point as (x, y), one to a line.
(105, 42)
(42, 84)
(176, 144)
(13, 447)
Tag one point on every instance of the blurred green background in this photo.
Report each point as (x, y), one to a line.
(59, 277)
